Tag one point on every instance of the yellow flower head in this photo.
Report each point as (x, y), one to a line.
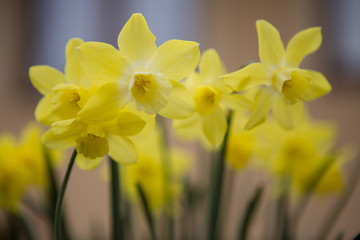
(147, 75)
(150, 172)
(22, 163)
(301, 154)
(212, 101)
(281, 84)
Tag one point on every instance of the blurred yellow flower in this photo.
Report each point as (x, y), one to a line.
(212, 101)
(150, 172)
(300, 154)
(147, 76)
(22, 163)
(241, 143)
(281, 84)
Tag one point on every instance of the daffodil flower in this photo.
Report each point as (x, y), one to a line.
(281, 84)
(22, 163)
(94, 138)
(212, 101)
(300, 154)
(149, 172)
(65, 94)
(148, 75)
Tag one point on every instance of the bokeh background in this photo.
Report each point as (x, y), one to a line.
(35, 32)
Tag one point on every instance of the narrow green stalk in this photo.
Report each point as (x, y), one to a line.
(148, 215)
(61, 196)
(167, 169)
(249, 213)
(26, 228)
(118, 229)
(52, 197)
(217, 176)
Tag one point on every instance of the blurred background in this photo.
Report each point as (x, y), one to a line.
(36, 32)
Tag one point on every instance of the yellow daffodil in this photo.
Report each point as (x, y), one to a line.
(65, 95)
(212, 101)
(281, 84)
(147, 75)
(22, 163)
(300, 154)
(150, 172)
(94, 137)
(241, 143)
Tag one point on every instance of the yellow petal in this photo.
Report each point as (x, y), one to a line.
(122, 149)
(176, 59)
(211, 66)
(85, 163)
(45, 78)
(148, 118)
(74, 71)
(320, 85)
(43, 112)
(271, 48)
(302, 44)
(136, 41)
(252, 75)
(101, 62)
(125, 124)
(236, 101)
(188, 128)
(105, 103)
(287, 115)
(262, 104)
(59, 141)
(180, 104)
(215, 126)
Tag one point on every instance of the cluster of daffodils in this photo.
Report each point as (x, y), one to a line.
(107, 101)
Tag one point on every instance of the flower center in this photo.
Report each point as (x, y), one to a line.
(92, 146)
(297, 88)
(142, 83)
(206, 100)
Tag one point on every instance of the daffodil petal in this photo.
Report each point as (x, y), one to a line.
(136, 41)
(262, 104)
(60, 127)
(44, 78)
(74, 71)
(105, 103)
(320, 85)
(287, 115)
(236, 102)
(302, 44)
(43, 112)
(210, 65)
(102, 63)
(125, 124)
(85, 163)
(181, 103)
(148, 118)
(214, 127)
(188, 128)
(252, 75)
(176, 59)
(122, 149)
(271, 48)
(59, 141)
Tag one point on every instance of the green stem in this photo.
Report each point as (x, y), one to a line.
(146, 210)
(118, 230)
(53, 194)
(249, 214)
(61, 196)
(217, 176)
(167, 170)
